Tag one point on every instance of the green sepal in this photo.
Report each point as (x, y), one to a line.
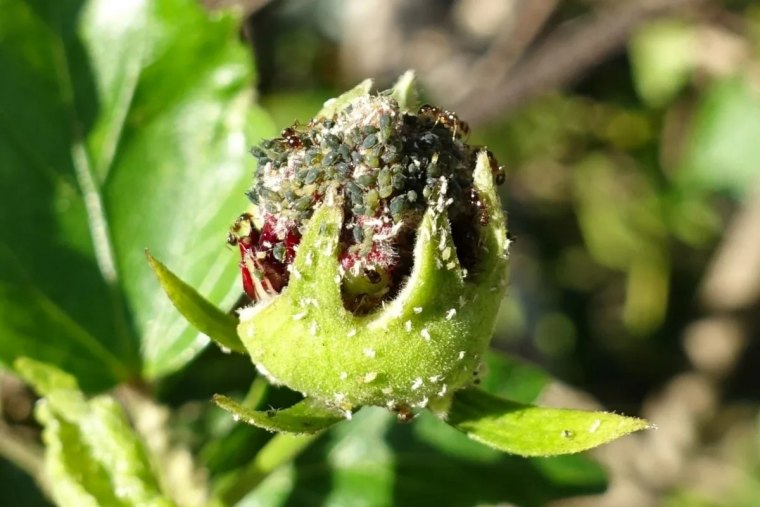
(332, 106)
(527, 430)
(305, 417)
(206, 317)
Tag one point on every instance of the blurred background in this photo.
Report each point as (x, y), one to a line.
(630, 131)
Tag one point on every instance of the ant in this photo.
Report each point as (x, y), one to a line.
(449, 119)
(290, 136)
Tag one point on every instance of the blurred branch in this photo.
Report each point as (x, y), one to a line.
(566, 55)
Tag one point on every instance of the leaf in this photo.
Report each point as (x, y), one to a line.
(332, 106)
(305, 417)
(206, 317)
(722, 150)
(92, 455)
(123, 128)
(375, 460)
(663, 56)
(512, 378)
(527, 430)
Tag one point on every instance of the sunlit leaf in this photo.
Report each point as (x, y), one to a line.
(334, 105)
(93, 457)
(304, 417)
(527, 430)
(125, 126)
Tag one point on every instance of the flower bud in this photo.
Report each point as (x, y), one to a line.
(376, 255)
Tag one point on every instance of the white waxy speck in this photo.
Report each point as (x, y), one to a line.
(416, 384)
(296, 273)
(299, 316)
(369, 377)
(387, 390)
(450, 314)
(425, 334)
(313, 328)
(408, 326)
(309, 259)
(351, 333)
(423, 402)
(337, 279)
(348, 414)
(443, 390)
(343, 375)
(446, 253)
(417, 309)
(370, 353)
(461, 354)
(339, 397)
(235, 417)
(434, 379)
(595, 426)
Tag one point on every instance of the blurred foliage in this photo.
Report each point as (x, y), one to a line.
(135, 118)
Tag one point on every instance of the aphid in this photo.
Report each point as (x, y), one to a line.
(291, 138)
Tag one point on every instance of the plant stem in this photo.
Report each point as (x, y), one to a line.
(281, 449)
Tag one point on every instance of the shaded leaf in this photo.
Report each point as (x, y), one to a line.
(123, 128)
(375, 460)
(93, 456)
(305, 417)
(722, 150)
(206, 317)
(527, 430)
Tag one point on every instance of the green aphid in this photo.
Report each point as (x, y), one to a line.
(367, 179)
(370, 141)
(399, 181)
(372, 200)
(278, 251)
(398, 205)
(303, 203)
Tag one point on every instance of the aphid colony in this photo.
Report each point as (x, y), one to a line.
(384, 164)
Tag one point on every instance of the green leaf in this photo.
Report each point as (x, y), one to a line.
(124, 128)
(305, 417)
(336, 104)
(92, 455)
(375, 460)
(206, 317)
(663, 56)
(722, 150)
(527, 430)
(512, 378)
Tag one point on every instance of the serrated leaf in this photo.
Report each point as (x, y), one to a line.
(305, 417)
(528, 430)
(336, 104)
(123, 128)
(93, 457)
(206, 317)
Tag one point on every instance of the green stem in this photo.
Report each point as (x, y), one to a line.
(281, 449)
